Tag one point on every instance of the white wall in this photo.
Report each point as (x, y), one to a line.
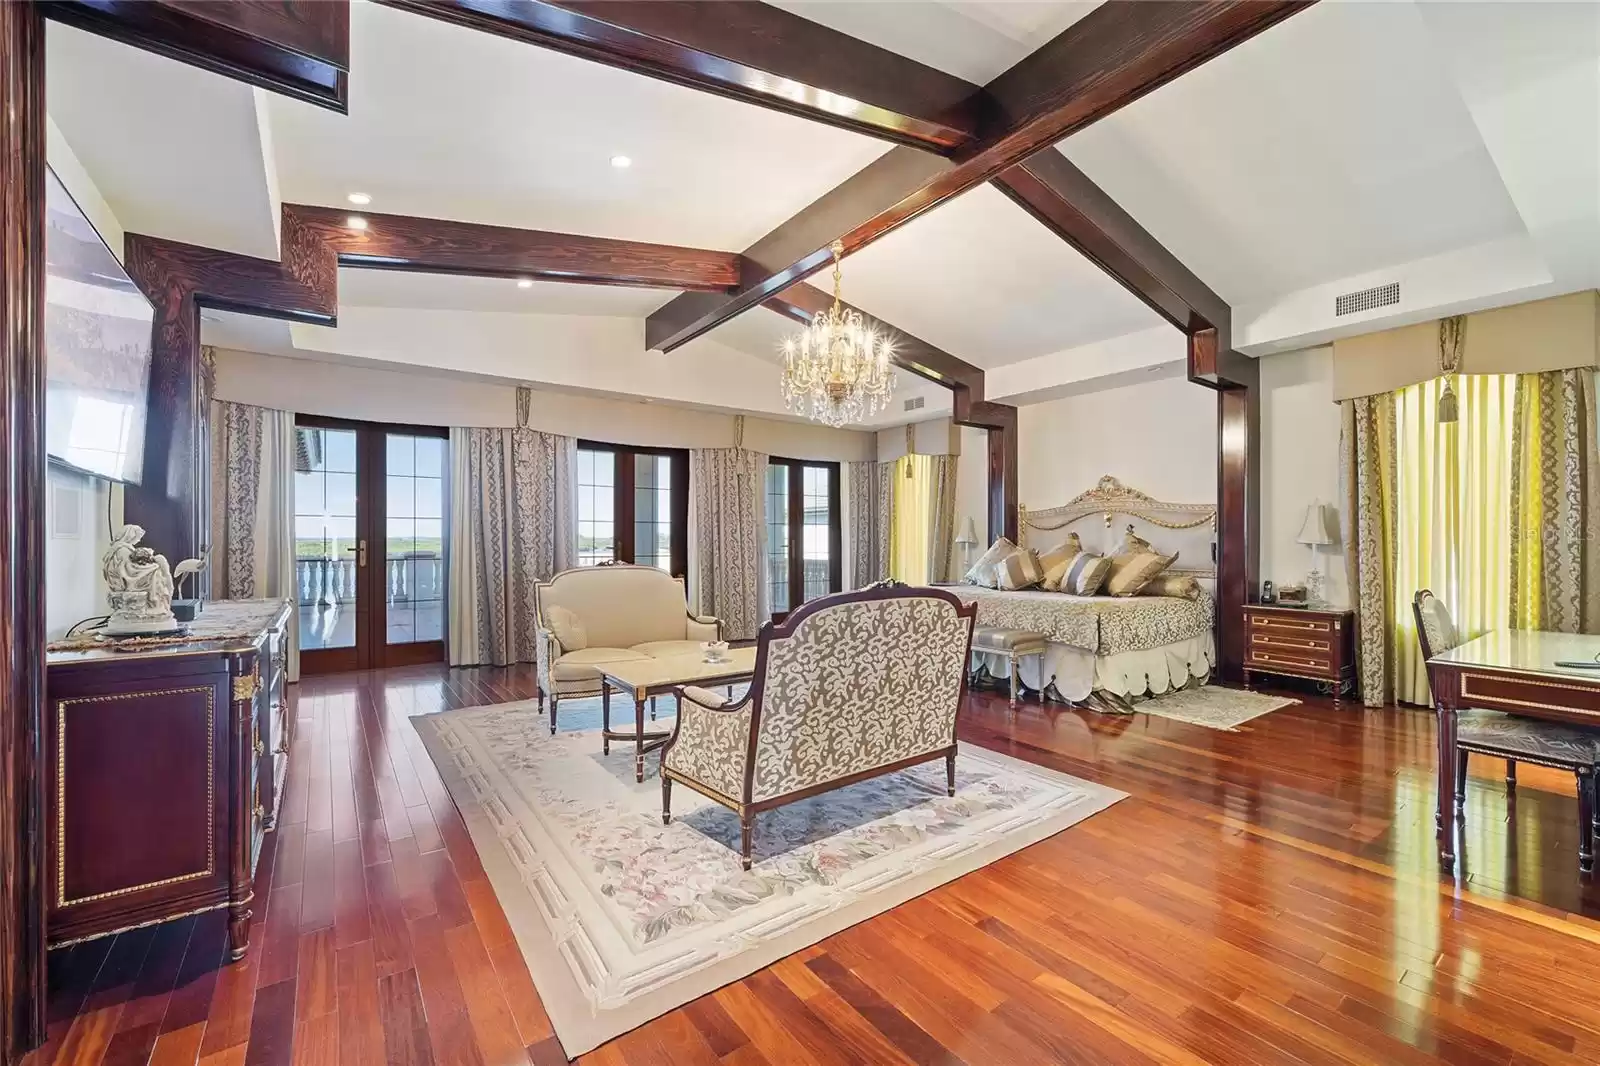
(76, 538)
(1299, 465)
(378, 395)
(1159, 437)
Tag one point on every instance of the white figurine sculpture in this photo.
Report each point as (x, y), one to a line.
(140, 584)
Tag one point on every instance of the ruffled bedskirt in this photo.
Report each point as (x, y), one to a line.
(1128, 674)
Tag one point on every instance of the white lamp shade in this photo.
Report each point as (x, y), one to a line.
(969, 534)
(1315, 529)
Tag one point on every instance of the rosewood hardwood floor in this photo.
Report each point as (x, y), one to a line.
(1266, 896)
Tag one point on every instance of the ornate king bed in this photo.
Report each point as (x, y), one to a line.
(1118, 647)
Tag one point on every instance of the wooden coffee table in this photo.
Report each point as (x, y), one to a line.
(656, 677)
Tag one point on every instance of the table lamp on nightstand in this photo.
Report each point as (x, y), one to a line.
(967, 541)
(1314, 534)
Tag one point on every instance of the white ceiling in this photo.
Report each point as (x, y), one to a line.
(494, 130)
(1333, 144)
(986, 282)
(1349, 141)
(972, 39)
(174, 150)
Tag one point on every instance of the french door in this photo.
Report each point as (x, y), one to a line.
(804, 559)
(369, 543)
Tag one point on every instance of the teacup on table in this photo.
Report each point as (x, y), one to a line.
(716, 651)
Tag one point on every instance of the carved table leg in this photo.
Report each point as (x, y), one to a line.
(1445, 818)
(638, 739)
(1585, 819)
(605, 717)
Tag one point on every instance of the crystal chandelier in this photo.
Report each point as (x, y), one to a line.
(837, 370)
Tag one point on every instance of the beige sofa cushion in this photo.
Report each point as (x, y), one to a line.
(584, 665)
(666, 649)
(568, 629)
(619, 606)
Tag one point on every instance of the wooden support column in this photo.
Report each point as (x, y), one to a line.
(22, 267)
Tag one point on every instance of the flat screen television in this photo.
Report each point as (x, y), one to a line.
(97, 339)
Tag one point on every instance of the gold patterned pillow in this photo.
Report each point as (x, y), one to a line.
(1134, 565)
(1057, 559)
(1019, 570)
(983, 571)
(1085, 574)
(1183, 586)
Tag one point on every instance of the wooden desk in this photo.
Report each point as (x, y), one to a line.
(1513, 671)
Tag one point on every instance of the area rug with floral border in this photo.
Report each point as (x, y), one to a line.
(621, 918)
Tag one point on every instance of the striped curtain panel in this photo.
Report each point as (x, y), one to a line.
(1555, 504)
(512, 522)
(253, 462)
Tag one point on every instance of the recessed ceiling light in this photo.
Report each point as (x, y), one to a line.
(361, 198)
(621, 161)
(356, 222)
(524, 283)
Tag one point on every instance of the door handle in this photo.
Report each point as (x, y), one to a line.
(361, 553)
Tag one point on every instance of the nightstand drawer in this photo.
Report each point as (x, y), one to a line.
(1285, 623)
(1293, 643)
(1289, 662)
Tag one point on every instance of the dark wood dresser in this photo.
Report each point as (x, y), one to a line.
(1306, 642)
(166, 764)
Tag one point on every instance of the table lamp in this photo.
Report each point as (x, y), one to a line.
(1314, 534)
(967, 541)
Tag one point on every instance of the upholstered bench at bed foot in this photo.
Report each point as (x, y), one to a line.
(1012, 644)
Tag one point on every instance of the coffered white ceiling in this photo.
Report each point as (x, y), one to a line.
(1452, 146)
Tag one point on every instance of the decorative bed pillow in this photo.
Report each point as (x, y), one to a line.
(1184, 586)
(568, 629)
(1085, 574)
(1057, 559)
(1019, 570)
(1134, 565)
(983, 571)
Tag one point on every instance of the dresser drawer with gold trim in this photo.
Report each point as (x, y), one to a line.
(1307, 643)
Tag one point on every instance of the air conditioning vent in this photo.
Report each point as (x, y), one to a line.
(916, 403)
(1367, 299)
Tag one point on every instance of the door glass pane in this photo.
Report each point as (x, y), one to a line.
(596, 497)
(816, 524)
(325, 536)
(778, 537)
(413, 559)
(652, 511)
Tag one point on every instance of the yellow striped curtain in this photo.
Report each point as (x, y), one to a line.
(912, 517)
(1453, 507)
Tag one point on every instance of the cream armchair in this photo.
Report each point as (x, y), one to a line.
(850, 686)
(593, 615)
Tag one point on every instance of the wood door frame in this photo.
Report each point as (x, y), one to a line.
(623, 547)
(796, 527)
(372, 649)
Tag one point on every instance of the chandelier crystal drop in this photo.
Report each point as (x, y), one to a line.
(838, 369)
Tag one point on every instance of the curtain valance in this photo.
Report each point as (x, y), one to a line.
(1560, 333)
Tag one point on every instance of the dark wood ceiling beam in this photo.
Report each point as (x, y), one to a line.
(1117, 53)
(748, 51)
(300, 48)
(442, 246)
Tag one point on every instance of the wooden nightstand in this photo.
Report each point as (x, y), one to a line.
(1318, 644)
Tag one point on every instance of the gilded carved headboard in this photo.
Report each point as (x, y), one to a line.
(1190, 529)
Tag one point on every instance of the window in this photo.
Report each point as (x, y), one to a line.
(633, 506)
(803, 540)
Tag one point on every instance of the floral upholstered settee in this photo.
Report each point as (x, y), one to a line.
(850, 686)
(593, 615)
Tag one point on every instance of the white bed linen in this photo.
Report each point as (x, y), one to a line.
(1076, 672)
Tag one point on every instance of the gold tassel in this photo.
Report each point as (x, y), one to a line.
(1452, 335)
(1448, 411)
